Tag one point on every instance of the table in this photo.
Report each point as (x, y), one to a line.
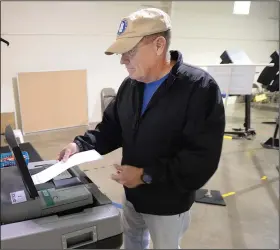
(26, 146)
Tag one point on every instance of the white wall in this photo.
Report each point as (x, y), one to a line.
(61, 35)
(203, 30)
(73, 35)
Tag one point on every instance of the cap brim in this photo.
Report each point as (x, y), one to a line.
(122, 45)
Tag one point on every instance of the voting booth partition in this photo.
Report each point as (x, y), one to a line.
(235, 76)
(269, 78)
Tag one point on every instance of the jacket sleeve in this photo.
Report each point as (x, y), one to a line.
(107, 135)
(202, 136)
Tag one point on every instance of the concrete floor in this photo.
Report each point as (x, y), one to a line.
(251, 217)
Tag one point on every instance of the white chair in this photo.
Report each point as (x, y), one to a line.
(107, 95)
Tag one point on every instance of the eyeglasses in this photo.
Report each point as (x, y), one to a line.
(131, 53)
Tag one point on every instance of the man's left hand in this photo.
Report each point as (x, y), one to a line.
(128, 176)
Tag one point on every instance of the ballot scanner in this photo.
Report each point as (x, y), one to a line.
(67, 212)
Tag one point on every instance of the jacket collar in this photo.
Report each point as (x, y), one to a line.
(176, 56)
(174, 73)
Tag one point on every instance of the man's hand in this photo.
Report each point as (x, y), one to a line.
(128, 176)
(69, 150)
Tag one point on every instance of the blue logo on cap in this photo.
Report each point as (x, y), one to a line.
(122, 27)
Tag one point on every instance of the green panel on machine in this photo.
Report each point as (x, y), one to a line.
(47, 197)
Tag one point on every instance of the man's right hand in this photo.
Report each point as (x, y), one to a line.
(69, 150)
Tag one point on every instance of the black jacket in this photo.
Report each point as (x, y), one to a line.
(178, 140)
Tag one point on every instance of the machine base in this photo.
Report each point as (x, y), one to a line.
(212, 197)
(271, 143)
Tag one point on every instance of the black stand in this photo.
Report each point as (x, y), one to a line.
(212, 197)
(269, 123)
(5, 41)
(272, 142)
(248, 132)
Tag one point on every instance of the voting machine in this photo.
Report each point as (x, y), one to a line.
(67, 212)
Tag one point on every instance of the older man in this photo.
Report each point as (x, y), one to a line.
(169, 119)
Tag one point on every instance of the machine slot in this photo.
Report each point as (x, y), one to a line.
(79, 238)
(73, 211)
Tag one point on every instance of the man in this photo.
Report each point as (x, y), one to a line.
(169, 119)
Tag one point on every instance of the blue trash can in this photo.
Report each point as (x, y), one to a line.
(7, 159)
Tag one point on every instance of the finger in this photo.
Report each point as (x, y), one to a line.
(129, 186)
(60, 156)
(118, 167)
(66, 155)
(117, 178)
(118, 171)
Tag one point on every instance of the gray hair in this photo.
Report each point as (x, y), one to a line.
(165, 34)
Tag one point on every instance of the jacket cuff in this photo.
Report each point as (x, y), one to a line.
(79, 145)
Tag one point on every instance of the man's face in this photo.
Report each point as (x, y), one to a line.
(141, 59)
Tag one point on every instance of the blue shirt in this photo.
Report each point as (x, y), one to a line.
(149, 90)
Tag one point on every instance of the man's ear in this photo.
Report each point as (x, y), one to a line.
(160, 43)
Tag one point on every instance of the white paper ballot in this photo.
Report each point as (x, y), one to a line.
(58, 168)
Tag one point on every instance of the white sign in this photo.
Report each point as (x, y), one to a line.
(222, 75)
(242, 79)
(18, 197)
(233, 79)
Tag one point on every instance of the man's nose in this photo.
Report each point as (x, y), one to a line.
(124, 60)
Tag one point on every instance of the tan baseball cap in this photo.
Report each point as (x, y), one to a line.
(137, 25)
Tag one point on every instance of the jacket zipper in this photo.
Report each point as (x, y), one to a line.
(158, 92)
(139, 117)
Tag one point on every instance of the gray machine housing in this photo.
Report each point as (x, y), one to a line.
(80, 215)
(60, 194)
(67, 212)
